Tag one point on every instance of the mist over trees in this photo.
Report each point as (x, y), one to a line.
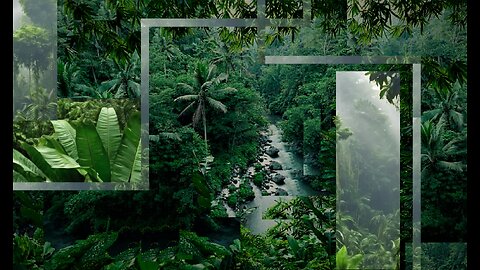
(211, 106)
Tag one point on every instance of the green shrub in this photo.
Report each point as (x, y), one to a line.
(258, 178)
(232, 200)
(246, 192)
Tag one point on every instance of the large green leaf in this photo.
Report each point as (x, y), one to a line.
(66, 135)
(109, 132)
(136, 176)
(40, 162)
(60, 166)
(27, 165)
(91, 152)
(55, 159)
(90, 175)
(123, 167)
(18, 177)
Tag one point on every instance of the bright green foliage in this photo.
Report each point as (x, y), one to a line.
(66, 135)
(346, 262)
(123, 169)
(29, 252)
(91, 151)
(80, 150)
(305, 241)
(109, 132)
(98, 42)
(25, 168)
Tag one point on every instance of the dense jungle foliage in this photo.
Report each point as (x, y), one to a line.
(210, 105)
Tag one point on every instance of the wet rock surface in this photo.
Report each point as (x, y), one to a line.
(281, 192)
(272, 151)
(278, 179)
(275, 165)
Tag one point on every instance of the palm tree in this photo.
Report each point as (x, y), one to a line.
(206, 80)
(230, 58)
(447, 109)
(125, 82)
(435, 150)
(165, 47)
(223, 56)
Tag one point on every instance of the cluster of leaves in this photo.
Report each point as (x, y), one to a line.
(243, 194)
(92, 30)
(31, 252)
(302, 239)
(181, 194)
(84, 151)
(368, 20)
(439, 255)
(444, 150)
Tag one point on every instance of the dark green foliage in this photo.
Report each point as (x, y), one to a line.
(245, 192)
(98, 46)
(258, 178)
(90, 253)
(30, 252)
(232, 200)
(305, 241)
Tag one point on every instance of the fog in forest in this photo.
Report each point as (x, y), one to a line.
(17, 14)
(368, 164)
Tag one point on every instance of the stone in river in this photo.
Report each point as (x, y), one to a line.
(272, 151)
(281, 192)
(275, 166)
(278, 179)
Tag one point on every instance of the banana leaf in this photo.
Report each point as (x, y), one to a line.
(66, 135)
(136, 176)
(19, 177)
(64, 174)
(56, 159)
(109, 131)
(123, 169)
(29, 169)
(91, 152)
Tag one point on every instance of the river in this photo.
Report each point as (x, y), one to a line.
(293, 169)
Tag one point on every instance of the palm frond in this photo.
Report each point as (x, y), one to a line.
(449, 165)
(211, 72)
(188, 107)
(186, 98)
(431, 114)
(217, 105)
(206, 85)
(220, 78)
(457, 118)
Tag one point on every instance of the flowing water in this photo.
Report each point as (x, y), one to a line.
(292, 169)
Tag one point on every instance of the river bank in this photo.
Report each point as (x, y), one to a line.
(276, 174)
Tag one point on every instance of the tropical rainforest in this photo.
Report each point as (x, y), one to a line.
(242, 155)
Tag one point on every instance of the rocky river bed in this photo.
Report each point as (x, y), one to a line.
(277, 173)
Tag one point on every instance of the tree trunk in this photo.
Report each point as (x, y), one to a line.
(29, 81)
(205, 137)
